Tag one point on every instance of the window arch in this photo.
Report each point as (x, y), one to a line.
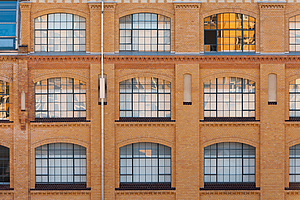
(145, 162)
(229, 32)
(294, 36)
(60, 98)
(145, 97)
(4, 100)
(229, 97)
(60, 32)
(145, 32)
(60, 163)
(229, 162)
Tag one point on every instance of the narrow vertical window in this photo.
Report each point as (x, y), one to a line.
(272, 89)
(187, 89)
(294, 99)
(4, 167)
(4, 100)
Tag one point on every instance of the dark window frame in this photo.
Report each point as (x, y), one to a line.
(295, 93)
(4, 96)
(132, 29)
(218, 31)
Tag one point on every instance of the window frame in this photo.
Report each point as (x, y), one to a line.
(294, 29)
(47, 94)
(229, 29)
(7, 94)
(54, 29)
(216, 93)
(149, 29)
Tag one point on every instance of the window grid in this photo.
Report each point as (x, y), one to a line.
(229, 162)
(294, 32)
(229, 97)
(233, 32)
(294, 98)
(60, 98)
(8, 25)
(4, 100)
(145, 97)
(4, 165)
(60, 32)
(145, 32)
(60, 163)
(145, 163)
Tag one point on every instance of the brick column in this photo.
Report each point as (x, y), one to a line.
(272, 31)
(25, 24)
(21, 135)
(95, 27)
(272, 135)
(95, 134)
(187, 17)
(187, 136)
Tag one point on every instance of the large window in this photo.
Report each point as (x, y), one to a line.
(145, 97)
(145, 163)
(145, 32)
(60, 32)
(229, 97)
(8, 25)
(4, 165)
(229, 162)
(229, 32)
(4, 100)
(294, 31)
(60, 98)
(294, 99)
(60, 163)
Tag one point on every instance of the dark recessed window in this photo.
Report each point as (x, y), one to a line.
(4, 100)
(4, 165)
(145, 163)
(60, 163)
(60, 98)
(294, 166)
(229, 162)
(294, 30)
(229, 32)
(145, 97)
(145, 32)
(294, 98)
(8, 25)
(60, 32)
(229, 97)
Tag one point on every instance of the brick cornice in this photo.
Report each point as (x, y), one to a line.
(144, 192)
(189, 6)
(95, 6)
(109, 7)
(218, 192)
(25, 6)
(60, 192)
(272, 6)
(229, 124)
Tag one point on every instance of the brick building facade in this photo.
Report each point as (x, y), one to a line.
(202, 99)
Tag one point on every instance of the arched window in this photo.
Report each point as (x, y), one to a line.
(145, 163)
(145, 32)
(60, 163)
(145, 97)
(230, 98)
(60, 98)
(294, 99)
(4, 100)
(294, 29)
(229, 162)
(60, 32)
(229, 32)
(4, 165)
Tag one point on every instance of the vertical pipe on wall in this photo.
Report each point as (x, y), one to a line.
(102, 108)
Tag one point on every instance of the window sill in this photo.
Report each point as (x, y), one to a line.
(6, 121)
(187, 103)
(60, 187)
(230, 186)
(145, 119)
(145, 186)
(145, 53)
(5, 187)
(272, 103)
(79, 119)
(293, 119)
(228, 119)
(293, 186)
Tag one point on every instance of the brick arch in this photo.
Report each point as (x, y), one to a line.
(144, 74)
(230, 139)
(6, 144)
(231, 10)
(292, 14)
(60, 140)
(61, 10)
(61, 74)
(146, 10)
(145, 139)
(229, 74)
(292, 78)
(5, 78)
